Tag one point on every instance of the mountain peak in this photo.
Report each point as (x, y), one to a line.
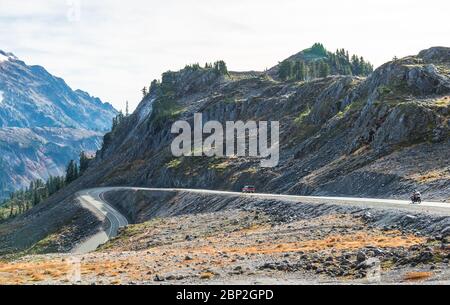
(436, 54)
(318, 62)
(5, 56)
(317, 51)
(32, 97)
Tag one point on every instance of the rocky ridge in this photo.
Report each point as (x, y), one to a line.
(335, 132)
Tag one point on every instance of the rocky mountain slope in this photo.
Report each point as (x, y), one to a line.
(378, 136)
(383, 135)
(36, 153)
(43, 123)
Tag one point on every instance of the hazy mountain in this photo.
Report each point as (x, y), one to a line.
(43, 123)
(27, 154)
(32, 97)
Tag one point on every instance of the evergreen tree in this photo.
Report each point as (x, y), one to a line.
(154, 86)
(84, 162)
(299, 71)
(285, 70)
(120, 117)
(117, 120)
(312, 70)
(71, 172)
(338, 63)
(114, 123)
(324, 69)
(220, 67)
(355, 65)
(318, 49)
(22, 200)
(11, 207)
(144, 92)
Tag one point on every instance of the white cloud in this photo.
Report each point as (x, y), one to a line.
(117, 47)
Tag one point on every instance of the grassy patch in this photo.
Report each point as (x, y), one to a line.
(5, 212)
(431, 176)
(355, 106)
(206, 275)
(44, 245)
(32, 272)
(384, 91)
(251, 170)
(129, 232)
(175, 163)
(417, 276)
(387, 265)
(444, 102)
(302, 116)
(220, 167)
(229, 100)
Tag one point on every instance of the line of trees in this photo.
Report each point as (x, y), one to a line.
(301, 71)
(117, 120)
(322, 64)
(21, 201)
(75, 169)
(219, 68)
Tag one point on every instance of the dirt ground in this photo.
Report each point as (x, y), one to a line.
(244, 247)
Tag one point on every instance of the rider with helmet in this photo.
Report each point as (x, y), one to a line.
(416, 197)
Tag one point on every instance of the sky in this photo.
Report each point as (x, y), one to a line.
(113, 48)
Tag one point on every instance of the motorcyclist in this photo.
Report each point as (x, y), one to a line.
(416, 197)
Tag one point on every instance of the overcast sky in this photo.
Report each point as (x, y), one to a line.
(113, 48)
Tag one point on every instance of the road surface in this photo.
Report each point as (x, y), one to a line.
(93, 199)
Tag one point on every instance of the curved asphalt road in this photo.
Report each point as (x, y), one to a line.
(93, 200)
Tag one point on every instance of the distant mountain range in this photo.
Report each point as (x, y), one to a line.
(43, 123)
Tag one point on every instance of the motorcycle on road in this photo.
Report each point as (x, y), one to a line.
(416, 199)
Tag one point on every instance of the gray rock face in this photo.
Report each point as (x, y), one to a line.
(43, 123)
(436, 54)
(406, 123)
(446, 232)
